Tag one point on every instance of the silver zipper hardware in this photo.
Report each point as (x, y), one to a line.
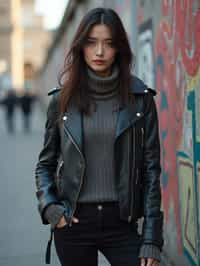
(133, 168)
(129, 218)
(83, 170)
(64, 117)
(138, 114)
(128, 148)
(59, 167)
(142, 130)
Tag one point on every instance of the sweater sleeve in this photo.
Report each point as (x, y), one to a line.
(150, 251)
(53, 213)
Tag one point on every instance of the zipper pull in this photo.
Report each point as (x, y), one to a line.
(142, 142)
(59, 167)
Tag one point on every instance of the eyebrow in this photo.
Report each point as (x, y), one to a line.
(93, 38)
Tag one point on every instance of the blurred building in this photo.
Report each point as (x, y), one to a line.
(24, 43)
(35, 43)
(11, 48)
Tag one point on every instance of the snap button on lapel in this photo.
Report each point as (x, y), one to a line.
(138, 114)
(64, 117)
(145, 91)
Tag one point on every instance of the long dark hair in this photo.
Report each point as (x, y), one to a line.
(73, 78)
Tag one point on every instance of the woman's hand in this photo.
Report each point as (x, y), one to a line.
(63, 222)
(149, 262)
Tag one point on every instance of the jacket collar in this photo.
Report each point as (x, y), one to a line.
(126, 116)
(139, 87)
(73, 124)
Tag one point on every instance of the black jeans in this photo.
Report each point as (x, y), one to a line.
(99, 228)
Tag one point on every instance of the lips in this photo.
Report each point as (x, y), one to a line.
(98, 62)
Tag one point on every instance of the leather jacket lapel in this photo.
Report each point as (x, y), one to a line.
(127, 117)
(123, 121)
(73, 124)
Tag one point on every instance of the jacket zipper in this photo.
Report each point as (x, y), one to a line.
(129, 162)
(132, 185)
(59, 167)
(58, 174)
(83, 170)
(142, 142)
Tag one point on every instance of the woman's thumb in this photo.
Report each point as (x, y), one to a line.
(143, 262)
(75, 220)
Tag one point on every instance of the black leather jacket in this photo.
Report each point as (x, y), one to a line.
(61, 166)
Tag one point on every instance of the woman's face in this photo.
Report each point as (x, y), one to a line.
(99, 52)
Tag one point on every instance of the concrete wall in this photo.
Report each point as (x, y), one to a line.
(165, 38)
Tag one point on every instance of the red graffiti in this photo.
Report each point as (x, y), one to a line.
(184, 32)
(140, 15)
(122, 6)
(177, 52)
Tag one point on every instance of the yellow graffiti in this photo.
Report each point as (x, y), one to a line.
(187, 199)
(193, 82)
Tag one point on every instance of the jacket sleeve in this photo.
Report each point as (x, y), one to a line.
(152, 232)
(47, 161)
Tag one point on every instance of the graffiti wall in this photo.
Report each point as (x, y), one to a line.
(168, 58)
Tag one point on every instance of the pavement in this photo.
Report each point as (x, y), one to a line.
(23, 238)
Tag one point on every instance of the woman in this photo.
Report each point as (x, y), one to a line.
(99, 169)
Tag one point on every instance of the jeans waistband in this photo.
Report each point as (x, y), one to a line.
(103, 203)
(98, 205)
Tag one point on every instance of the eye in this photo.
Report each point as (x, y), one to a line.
(90, 41)
(111, 44)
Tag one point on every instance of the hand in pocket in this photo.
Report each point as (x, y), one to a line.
(63, 222)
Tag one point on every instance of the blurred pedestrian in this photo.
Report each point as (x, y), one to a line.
(99, 169)
(9, 103)
(26, 104)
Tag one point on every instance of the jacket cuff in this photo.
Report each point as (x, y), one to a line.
(53, 213)
(150, 251)
(152, 231)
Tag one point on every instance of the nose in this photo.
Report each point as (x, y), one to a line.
(99, 50)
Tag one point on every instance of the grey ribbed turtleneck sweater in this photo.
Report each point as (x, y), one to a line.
(99, 134)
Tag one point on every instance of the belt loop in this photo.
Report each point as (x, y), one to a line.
(48, 250)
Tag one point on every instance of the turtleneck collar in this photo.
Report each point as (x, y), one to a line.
(103, 87)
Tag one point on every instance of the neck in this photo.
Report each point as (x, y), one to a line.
(103, 87)
(104, 74)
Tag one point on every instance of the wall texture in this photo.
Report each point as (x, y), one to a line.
(165, 37)
(168, 59)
